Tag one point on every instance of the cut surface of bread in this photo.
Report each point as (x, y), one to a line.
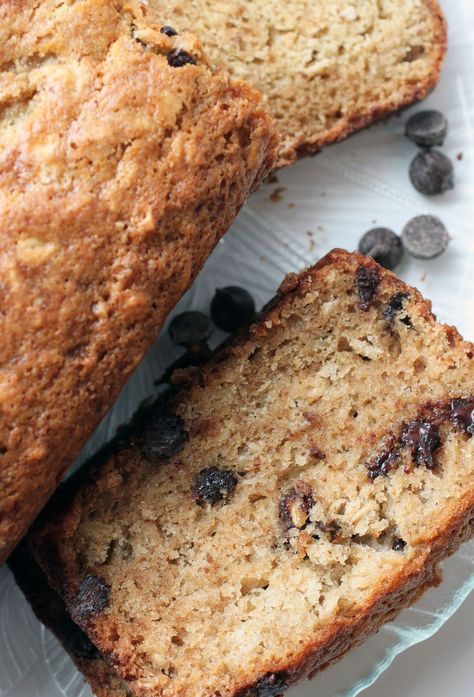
(325, 68)
(298, 491)
(123, 159)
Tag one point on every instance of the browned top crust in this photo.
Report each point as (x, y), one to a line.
(123, 159)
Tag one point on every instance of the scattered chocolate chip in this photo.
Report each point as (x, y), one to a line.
(425, 237)
(162, 435)
(190, 328)
(383, 464)
(432, 173)
(368, 280)
(383, 245)
(395, 307)
(398, 545)
(92, 597)
(169, 31)
(232, 307)
(427, 128)
(423, 439)
(177, 58)
(272, 685)
(214, 484)
(462, 415)
(295, 507)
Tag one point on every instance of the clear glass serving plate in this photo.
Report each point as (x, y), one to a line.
(320, 203)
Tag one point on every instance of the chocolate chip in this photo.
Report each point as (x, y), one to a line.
(169, 31)
(294, 508)
(432, 173)
(162, 435)
(190, 328)
(91, 598)
(462, 415)
(232, 307)
(395, 307)
(272, 685)
(423, 439)
(177, 58)
(383, 245)
(368, 281)
(214, 484)
(427, 128)
(398, 545)
(383, 464)
(425, 237)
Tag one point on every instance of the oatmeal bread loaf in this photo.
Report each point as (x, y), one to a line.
(295, 493)
(123, 159)
(326, 67)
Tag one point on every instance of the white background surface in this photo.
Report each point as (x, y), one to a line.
(337, 196)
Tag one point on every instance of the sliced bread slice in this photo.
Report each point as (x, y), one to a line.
(325, 68)
(296, 493)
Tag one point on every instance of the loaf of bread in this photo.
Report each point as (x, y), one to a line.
(123, 159)
(325, 67)
(297, 492)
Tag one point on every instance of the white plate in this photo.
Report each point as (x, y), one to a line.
(327, 201)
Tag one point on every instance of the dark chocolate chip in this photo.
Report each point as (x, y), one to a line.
(190, 328)
(169, 31)
(232, 307)
(425, 237)
(294, 508)
(383, 464)
(177, 58)
(272, 685)
(162, 435)
(383, 245)
(91, 598)
(214, 484)
(398, 545)
(462, 415)
(368, 280)
(423, 439)
(427, 128)
(432, 173)
(395, 307)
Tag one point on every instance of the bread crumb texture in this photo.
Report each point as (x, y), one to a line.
(119, 171)
(325, 67)
(329, 466)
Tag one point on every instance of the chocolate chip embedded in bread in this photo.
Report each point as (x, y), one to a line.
(91, 598)
(398, 545)
(423, 439)
(177, 58)
(162, 436)
(272, 685)
(394, 308)
(213, 485)
(368, 281)
(462, 415)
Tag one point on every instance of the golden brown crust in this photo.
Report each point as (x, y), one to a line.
(119, 171)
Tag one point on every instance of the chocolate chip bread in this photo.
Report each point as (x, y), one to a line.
(123, 159)
(326, 68)
(295, 493)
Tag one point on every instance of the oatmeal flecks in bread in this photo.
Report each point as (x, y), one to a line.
(119, 171)
(325, 67)
(329, 466)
